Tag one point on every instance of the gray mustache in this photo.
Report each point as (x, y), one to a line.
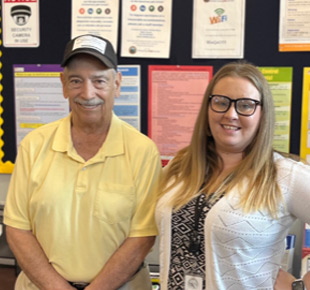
(91, 102)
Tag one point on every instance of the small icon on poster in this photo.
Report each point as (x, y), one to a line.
(21, 14)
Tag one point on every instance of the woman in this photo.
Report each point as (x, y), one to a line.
(227, 201)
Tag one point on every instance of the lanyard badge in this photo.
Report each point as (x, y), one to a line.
(193, 282)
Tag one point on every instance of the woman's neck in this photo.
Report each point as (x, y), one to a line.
(230, 160)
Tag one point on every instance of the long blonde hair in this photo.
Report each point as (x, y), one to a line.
(198, 163)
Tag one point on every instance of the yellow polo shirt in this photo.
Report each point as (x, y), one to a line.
(79, 211)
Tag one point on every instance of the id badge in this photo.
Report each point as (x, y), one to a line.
(193, 282)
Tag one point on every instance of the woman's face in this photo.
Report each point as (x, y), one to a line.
(232, 132)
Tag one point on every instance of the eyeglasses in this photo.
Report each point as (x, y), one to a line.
(243, 106)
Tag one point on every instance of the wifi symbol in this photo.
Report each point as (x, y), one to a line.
(219, 11)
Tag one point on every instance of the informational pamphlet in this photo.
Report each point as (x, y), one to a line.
(127, 106)
(305, 117)
(175, 96)
(218, 29)
(20, 23)
(99, 17)
(280, 82)
(294, 27)
(146, 28)
(38, 97)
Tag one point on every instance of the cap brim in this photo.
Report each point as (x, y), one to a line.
(94, 53)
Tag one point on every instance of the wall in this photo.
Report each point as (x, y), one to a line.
(261, 48)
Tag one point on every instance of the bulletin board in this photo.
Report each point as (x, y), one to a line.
(261, 48)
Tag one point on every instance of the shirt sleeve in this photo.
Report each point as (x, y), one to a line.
(143, 222)
(16, 212)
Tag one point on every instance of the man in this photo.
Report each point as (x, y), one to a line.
(79, 210)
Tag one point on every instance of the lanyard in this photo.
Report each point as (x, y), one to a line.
(195, 238)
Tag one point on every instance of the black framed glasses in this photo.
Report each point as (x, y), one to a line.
(243, 106)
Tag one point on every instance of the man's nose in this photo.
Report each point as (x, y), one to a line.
(88, 89)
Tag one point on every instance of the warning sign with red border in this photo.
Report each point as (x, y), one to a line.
(20, 23)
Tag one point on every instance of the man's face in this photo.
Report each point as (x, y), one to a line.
(90, 88)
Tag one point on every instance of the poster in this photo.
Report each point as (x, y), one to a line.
(20, 23)
(218, 29)
(127, 106)
(98, 17)
(280, 82)
(175, 96)
(305, 117)
(38, 97)
(294, 27)
(146, 28)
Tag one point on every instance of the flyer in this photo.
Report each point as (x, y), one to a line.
(98, 17)
(175, 96)
(146, 28)
(305, 117)
(127, 106)
(20, 23)
(280, 82)
(38, 97)
(218, 29)
(294, 27)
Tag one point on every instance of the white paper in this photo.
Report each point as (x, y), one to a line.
(218, 28)
(294, 28)
(146, 28)
(20, 23)
(98, 17)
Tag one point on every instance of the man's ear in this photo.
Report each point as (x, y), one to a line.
(118, 81)
(63, 82)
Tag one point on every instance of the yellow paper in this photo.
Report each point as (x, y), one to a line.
(305, 117)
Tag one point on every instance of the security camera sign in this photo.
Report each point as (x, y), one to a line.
(20, 23)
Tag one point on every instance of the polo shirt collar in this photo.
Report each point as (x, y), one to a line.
(62, 140)
(112, 146)
(114, 143)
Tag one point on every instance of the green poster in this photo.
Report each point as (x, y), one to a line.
(280, 82)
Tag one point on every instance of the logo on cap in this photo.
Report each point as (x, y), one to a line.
(93, 45)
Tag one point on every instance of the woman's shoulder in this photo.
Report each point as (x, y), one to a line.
(289, 159)
(291, 164)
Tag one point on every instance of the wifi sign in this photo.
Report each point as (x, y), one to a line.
(220, 17)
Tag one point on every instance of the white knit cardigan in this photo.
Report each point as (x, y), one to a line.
(243, 251)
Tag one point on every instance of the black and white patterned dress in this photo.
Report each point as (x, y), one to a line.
(187, 241)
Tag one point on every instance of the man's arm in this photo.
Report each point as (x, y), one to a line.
(33, 260)
(123, 264)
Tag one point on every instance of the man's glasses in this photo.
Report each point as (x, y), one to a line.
(243, 106)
